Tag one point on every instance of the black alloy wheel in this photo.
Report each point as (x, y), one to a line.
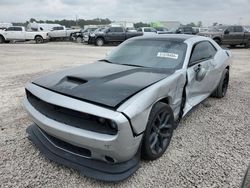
(159, 131)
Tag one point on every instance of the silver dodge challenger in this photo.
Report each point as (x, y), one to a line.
(102, 118)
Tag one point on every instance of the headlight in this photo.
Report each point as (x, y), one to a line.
(107, 122)
(92, 35)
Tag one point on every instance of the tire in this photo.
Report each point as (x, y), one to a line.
(2, 40)
(221, 89)
(99, 42)
(247, 45)
(79, 39)
(159, 131)
(232, 46)
(218, 41)
(7, 41)
(39, 39)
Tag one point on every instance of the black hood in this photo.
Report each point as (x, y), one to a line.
(102, 83)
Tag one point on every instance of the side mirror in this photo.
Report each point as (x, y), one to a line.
(226, 32)
(200, 73)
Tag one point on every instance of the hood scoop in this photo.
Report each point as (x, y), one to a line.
(70, 82)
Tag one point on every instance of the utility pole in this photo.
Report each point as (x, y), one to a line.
(76, 20)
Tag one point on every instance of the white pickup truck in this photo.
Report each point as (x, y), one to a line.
(62, 32)
(20, 33)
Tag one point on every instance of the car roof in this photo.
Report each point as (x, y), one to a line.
(179, 37)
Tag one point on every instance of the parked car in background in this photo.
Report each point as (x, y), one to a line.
(111, 34)
(20, 34)
(183, 30)
(161, 30)
(147, 30)
(229, 35)
(83, 33)
(131, 29)
(62, 32)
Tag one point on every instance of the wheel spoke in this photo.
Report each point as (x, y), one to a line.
(157, 147)
(154, 139)
(165, 126)
(163, 116)
(165, 135)
(166, 119)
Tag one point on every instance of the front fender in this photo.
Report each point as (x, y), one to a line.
(138, 108)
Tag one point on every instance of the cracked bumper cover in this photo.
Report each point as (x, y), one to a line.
(89, 167)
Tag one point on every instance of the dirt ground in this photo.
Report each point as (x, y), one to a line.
(210, 148)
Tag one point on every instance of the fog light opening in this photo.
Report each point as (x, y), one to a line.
(109, 159)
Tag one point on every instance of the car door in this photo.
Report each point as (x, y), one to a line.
(19, 33)
(110, 35)
(239, 34)
(119, 34)
(201, 74)
(57, 32)
(229, 36)
(9, 33)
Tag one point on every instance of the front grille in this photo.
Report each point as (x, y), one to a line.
(67, 146)
(70, 117)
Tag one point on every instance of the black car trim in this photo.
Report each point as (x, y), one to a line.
(104, 171)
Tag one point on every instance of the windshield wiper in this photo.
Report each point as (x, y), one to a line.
(132, 65)
(105, 60)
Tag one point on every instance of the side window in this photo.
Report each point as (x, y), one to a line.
(118, 29)
(111, 29)
(10, 29)
(139, 30)
(18, 29)
(230, 29)
(153, 30)
(202, 51)
(238, 29)
(59, 28)
(147, 30)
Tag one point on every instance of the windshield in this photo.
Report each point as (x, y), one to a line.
(151, 53)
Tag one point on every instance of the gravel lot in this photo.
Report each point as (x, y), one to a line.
(210, 148)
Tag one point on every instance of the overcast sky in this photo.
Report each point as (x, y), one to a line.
(185, 11)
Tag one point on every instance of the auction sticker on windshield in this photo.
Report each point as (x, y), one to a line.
(167, 55)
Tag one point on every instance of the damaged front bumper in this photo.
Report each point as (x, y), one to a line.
(52, 149)
(76, 147)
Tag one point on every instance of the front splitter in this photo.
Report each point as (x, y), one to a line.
(89, 167)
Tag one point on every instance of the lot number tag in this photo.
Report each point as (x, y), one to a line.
(167, 55)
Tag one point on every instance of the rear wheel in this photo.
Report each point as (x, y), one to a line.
(99, 42)
(218, 41)
(247, 45)
(2, 39)
(79, 39)
(232, 45)
(159, 131)
(221, 90)
(39, 39)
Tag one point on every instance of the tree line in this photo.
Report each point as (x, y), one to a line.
(97, 21)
